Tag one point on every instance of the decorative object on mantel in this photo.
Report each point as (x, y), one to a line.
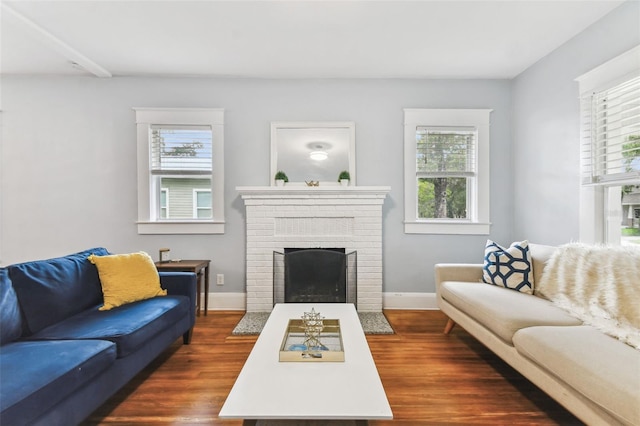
(344, 178)
(281, 178)
(312, 182)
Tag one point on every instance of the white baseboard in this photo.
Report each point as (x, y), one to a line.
(227, 301)
(420, 301)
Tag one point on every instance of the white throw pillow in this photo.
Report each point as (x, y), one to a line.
(508, 267)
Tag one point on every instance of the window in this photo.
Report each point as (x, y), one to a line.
(611, 138)
(447, 171)
(202, 203)
(610, 151)
(180, 171)
(181, 161)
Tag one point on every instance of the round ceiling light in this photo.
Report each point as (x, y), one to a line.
(318, 155)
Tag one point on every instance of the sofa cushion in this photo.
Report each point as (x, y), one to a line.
(127, 278)
(129, 326)
(10, 320)
(508, 267)
(540, 255)
(603, 369)
(503, 312)
(37, 375)
(54, 289)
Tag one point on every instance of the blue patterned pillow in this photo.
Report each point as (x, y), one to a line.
(508, 267)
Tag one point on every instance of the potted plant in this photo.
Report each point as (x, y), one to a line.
(344, 178)
(281, 178)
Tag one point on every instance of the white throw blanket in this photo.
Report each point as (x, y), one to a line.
(599, 285)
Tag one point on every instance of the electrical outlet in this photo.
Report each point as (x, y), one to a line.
(220, 279)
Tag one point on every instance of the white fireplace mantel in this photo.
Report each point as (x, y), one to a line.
(296, 216)
(296, 191)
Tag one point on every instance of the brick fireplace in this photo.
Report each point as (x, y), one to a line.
(313, 217)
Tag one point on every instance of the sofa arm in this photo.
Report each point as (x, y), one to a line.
(466, 272)
(181, 284)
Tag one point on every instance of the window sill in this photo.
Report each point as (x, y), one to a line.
(455, 228)
(180, 228)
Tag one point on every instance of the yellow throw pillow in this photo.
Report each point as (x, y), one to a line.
(127, 278)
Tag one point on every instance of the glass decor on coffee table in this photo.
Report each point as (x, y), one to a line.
(312, 338)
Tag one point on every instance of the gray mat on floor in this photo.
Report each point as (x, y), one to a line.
(306, 423)
(252, 323)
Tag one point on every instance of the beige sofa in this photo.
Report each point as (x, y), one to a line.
(593, 375)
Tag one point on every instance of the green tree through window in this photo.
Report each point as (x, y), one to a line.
(445, 161)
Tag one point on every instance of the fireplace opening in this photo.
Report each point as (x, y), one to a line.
(318, 275)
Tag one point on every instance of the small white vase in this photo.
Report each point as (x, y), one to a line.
(344, 182)
(279, 182)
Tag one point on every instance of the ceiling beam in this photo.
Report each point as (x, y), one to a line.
(71, 54)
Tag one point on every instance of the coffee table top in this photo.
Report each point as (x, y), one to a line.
(269, 389)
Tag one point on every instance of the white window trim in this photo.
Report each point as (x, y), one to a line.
(478, 223)
(166, 197)
(214, 117)
(594, 198)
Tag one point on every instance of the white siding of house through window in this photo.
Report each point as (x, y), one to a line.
(181, 201)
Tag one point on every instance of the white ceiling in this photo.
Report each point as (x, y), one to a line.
(289, 39)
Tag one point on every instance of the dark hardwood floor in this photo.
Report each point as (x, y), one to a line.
(429, 379)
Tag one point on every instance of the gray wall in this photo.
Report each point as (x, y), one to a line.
(546, 127)
(68, 151)
(69, 162)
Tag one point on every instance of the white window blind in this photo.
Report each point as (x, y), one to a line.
(181, 150)
(445, 151)
(610, 149)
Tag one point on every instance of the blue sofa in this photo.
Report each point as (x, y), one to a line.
(60, 357)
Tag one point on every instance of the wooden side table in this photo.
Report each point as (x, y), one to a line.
(199, 267)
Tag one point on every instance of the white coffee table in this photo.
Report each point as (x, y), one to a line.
(269, 389)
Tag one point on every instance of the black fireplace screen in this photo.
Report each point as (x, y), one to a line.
(314, 276)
